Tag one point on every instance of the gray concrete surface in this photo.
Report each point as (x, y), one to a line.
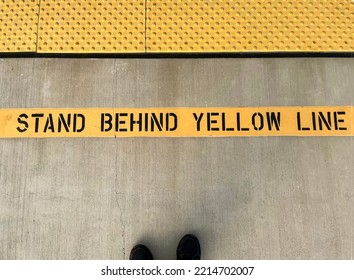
(246, 198)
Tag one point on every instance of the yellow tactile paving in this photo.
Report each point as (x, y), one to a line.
(18, 25)
(91, 26)
(249, 25)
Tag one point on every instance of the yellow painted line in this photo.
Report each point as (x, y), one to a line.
(77, 26)
(250, 25)
(18, 25)
(177, 122)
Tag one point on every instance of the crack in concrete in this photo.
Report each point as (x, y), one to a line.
(55, 197)
(121, 221)
(117, 200)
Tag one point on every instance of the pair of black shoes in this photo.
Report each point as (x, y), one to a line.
(188, 249)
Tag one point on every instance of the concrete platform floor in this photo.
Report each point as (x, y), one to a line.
(246, 198)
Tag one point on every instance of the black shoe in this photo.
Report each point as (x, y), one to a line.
(188, 248)
(140, 252)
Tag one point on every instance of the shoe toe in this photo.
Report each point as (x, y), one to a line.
(189, 248)
(140, 252)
